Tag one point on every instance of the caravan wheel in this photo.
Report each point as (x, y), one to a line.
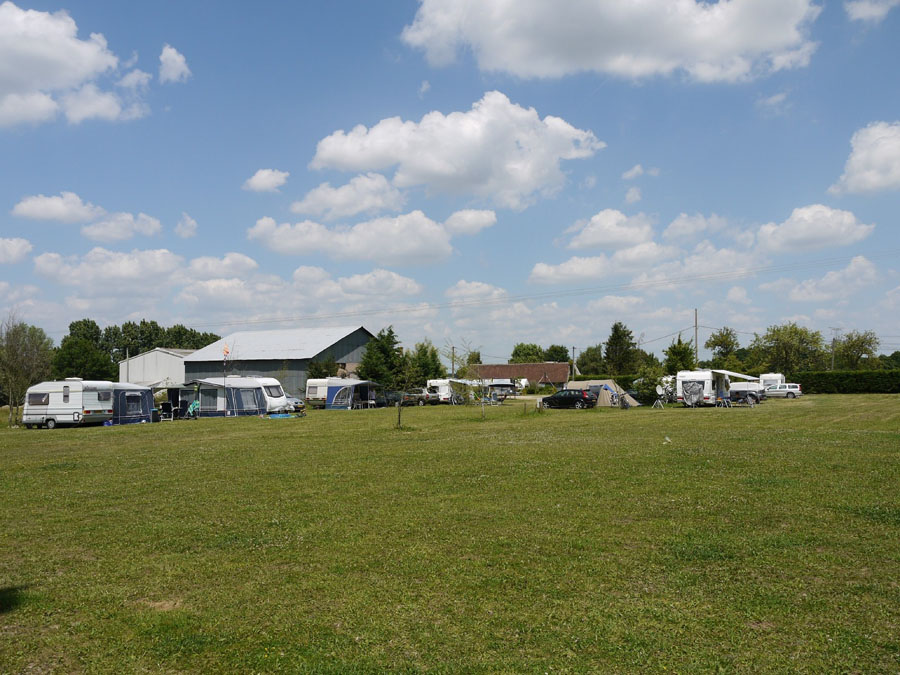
(50, 423)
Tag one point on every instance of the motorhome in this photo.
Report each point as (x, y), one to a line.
(72, 401)
(276, 400)
(451, 390)
(701, 387)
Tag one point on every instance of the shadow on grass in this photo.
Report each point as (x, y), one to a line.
(11, 597)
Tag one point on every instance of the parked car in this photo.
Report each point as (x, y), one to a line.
(570, 398)
(296, 403)
(417, 396)
(423, 396)
(788, 390)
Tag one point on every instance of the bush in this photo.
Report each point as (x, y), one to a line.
(848, 381)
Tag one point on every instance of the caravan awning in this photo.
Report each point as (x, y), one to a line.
(739, 376)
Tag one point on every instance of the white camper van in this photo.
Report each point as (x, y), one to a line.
(70, 401)
(276, 400)
(701, 387)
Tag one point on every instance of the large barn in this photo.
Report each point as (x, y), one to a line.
(282, 354)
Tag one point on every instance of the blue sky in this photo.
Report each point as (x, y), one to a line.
(472, 172)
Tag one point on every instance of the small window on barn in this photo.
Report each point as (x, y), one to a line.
(39, 399)
(65, 394)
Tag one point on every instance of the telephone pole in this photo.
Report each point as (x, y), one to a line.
(696, 338)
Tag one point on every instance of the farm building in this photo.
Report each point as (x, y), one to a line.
(156, 368)
(548, 372)
(283, 354)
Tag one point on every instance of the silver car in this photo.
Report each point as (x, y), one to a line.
(789, 390)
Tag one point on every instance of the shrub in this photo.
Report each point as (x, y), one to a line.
(848, 381)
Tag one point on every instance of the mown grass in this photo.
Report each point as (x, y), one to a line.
(763, 539)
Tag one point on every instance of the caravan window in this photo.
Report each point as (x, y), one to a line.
(247, 399)
(311, 391)
(132, 404)
(274, 391)
(39, 399)
(104, 396)
(65, 394)
(209, 399)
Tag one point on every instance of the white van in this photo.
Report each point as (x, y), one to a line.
(70, 401)
(701, 387)
(276, 399)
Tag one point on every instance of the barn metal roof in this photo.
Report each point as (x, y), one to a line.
(284, 344)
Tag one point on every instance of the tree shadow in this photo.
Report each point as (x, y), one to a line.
(11, 597)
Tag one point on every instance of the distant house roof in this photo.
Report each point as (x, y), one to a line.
(536, 373)
(290, 343)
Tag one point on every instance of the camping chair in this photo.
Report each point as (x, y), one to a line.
(193, 410)
(165, 412)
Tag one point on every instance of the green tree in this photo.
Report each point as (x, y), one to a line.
(473, 358)
(723, 343)
(382, 360)
(649, 376)
(557, 354)
(621, 353)
(86, 329)
(324, 367)
(525, 352)
(679, 356)
(78, 357)
(25, 356)
(590, 361)
(425, 362)
(856, 345)
(790, 348)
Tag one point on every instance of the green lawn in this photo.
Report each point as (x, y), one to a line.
(569, 541)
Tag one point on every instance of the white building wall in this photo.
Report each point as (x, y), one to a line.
(151, 367)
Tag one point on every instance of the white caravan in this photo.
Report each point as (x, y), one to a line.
(70, 401)
(768, 379)
(276, 399)
(316, 392)
(451, 390)
(701, 387)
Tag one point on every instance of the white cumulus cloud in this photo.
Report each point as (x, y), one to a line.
(408, 239)
(869, 10)
(685, 226)
(633, 195)
(837, 284)
(469, 221)
(66, 207)
(121, 226)
(611, 229)
(708, 42)
(474, 291)
(813, 227)
(266, 180)
(172, 65)
(497, 150)
(186, 227)
(13, 250)
(874, 162)
(368, 193)
(100, 270)
(231, 265)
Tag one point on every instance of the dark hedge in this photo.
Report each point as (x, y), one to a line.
(848, 381)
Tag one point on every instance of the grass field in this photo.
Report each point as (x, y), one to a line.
(763, 539)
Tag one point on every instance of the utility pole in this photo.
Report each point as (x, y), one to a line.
(834, 333)
(573, 363)
(696, 339)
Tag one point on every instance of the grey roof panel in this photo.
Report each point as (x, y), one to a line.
(289, 343)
